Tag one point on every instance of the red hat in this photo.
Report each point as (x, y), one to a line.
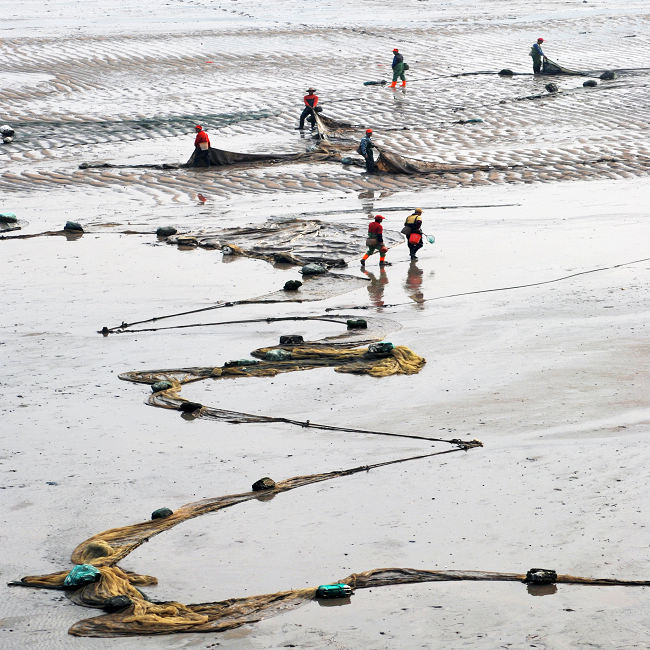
(198, 127)
(395, 50)
(378, 217)
(368, 130)
(540, 40)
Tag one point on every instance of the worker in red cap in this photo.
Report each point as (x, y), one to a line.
(311, 107)
(375, 241)
(201, 148)
(365, 149)
(398, 68)
(538, 56)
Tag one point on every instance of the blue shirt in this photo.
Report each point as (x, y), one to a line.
(398, 58)
(365, 144)
(537, 48)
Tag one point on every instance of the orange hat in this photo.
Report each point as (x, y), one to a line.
(368, 130)
(395, 50)
(378, 217)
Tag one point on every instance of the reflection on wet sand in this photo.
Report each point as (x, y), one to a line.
(541, 590)
(413, 283)
(376, 286)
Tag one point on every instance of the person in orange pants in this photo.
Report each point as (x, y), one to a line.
(376, 235)
(398, 68)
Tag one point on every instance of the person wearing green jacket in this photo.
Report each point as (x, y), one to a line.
(537, 55)
(398, 68)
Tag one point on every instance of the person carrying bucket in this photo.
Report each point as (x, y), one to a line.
(201, 147)
(375, 241)
(412, 230)
(410, 220)
(416, 240)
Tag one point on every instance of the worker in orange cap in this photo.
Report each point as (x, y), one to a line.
(398, 68)
(375, 241)
(365, 149)
(201, 148)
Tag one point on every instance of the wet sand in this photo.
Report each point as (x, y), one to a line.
(552, 378)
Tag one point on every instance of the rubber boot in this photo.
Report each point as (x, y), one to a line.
(363, 260)
(393, 84)
(403, 84)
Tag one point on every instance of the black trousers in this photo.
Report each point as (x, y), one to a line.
(202, 158)
(537, 66)
(414, 248)
(370, 161)
(306, 113)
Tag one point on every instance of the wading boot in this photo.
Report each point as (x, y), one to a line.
(393, 84)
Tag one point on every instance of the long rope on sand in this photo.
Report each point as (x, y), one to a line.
(124, 325)
(270, 319)
(509, 288)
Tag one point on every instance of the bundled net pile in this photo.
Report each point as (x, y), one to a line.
(343, 357)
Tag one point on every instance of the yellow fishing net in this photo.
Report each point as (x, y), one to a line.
(343, 357)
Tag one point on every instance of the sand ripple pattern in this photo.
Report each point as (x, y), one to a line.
(122, 97)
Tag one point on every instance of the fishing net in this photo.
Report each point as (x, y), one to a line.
(219, 157)
(329, 128)
(337, 138)
(288, 241)
(551, 67)
(142, 616)
(393, 163)
(337, 141)
(343, 357)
